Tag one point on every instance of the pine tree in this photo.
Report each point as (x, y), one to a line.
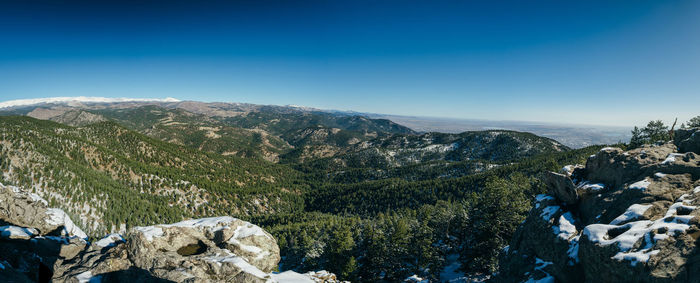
(694, 122)
(656, 131)
(637, 139)
(339, 251)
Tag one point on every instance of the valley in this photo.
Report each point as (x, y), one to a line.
(337, 191)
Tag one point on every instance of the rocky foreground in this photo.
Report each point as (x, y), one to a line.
(626, 216)
(42, 244)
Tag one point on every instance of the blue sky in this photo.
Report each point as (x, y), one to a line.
(586, 62)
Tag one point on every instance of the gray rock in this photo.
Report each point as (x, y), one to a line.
(687, 140)
(217, 248)
(41, 245)
(24, 209)
(636, 220)
(561, 187)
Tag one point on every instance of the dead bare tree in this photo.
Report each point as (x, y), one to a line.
(670, 133)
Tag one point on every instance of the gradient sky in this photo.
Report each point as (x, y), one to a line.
(588, 62)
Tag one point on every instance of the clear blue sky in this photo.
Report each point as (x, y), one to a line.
(591, 62)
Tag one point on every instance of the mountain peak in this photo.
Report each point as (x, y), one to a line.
(79, 99)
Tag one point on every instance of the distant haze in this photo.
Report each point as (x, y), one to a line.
(575, 136)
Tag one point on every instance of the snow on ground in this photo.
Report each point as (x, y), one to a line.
(566, 229)
(291, 277)
(208, 222)
(641, 185)
(672, 224)
(86, 277)
(548, 212)
(59, 217)
(416, 279)
(15, 232)
(572, 252)
(229, 258)
(540, 198)
(659, 175)
(109, 240)
(451, 270)
(634, 212)
(592, 187)
(671, 158)
(150, 232)
(539, 266)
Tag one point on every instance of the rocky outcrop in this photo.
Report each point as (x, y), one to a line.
(688, 140)
(632, 216)
(39, 244)
(218, 248)
(28, 210)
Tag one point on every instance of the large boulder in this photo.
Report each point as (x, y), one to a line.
(25, 209)
(635, 219)
(687, 140)
(561, 187)
(217, 248)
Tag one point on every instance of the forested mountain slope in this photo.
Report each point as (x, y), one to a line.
(108, 175)
(367, 199)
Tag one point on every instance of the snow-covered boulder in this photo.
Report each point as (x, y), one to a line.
(635, 220)
(25, 209)
(33, 236)
(217, 248)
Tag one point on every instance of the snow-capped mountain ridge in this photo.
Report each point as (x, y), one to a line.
(80, 99)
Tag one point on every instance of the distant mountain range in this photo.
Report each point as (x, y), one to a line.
(574, 136)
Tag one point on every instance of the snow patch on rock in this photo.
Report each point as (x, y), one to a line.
(59, 217)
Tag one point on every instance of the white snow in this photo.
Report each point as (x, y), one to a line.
(566, 229)
(696, 190)
(543, 197)
(572, 252)
(59, 217)
(540, 265)
(228, 257)
(291, 277)
(633, 232)
(641, 185)
(37, 198)
(671, 158)
(84, 99)
(659, 175)
(16, 232)
(634, 212)
(451, 269)
(592, 187)
(208, 222)
(248, 230)
(417, 279)
(211, 222)
(150, 232)
(109, 240)
(548, 212)
(673, 211)
(86, 277)
(540, 198)
(568, 169)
